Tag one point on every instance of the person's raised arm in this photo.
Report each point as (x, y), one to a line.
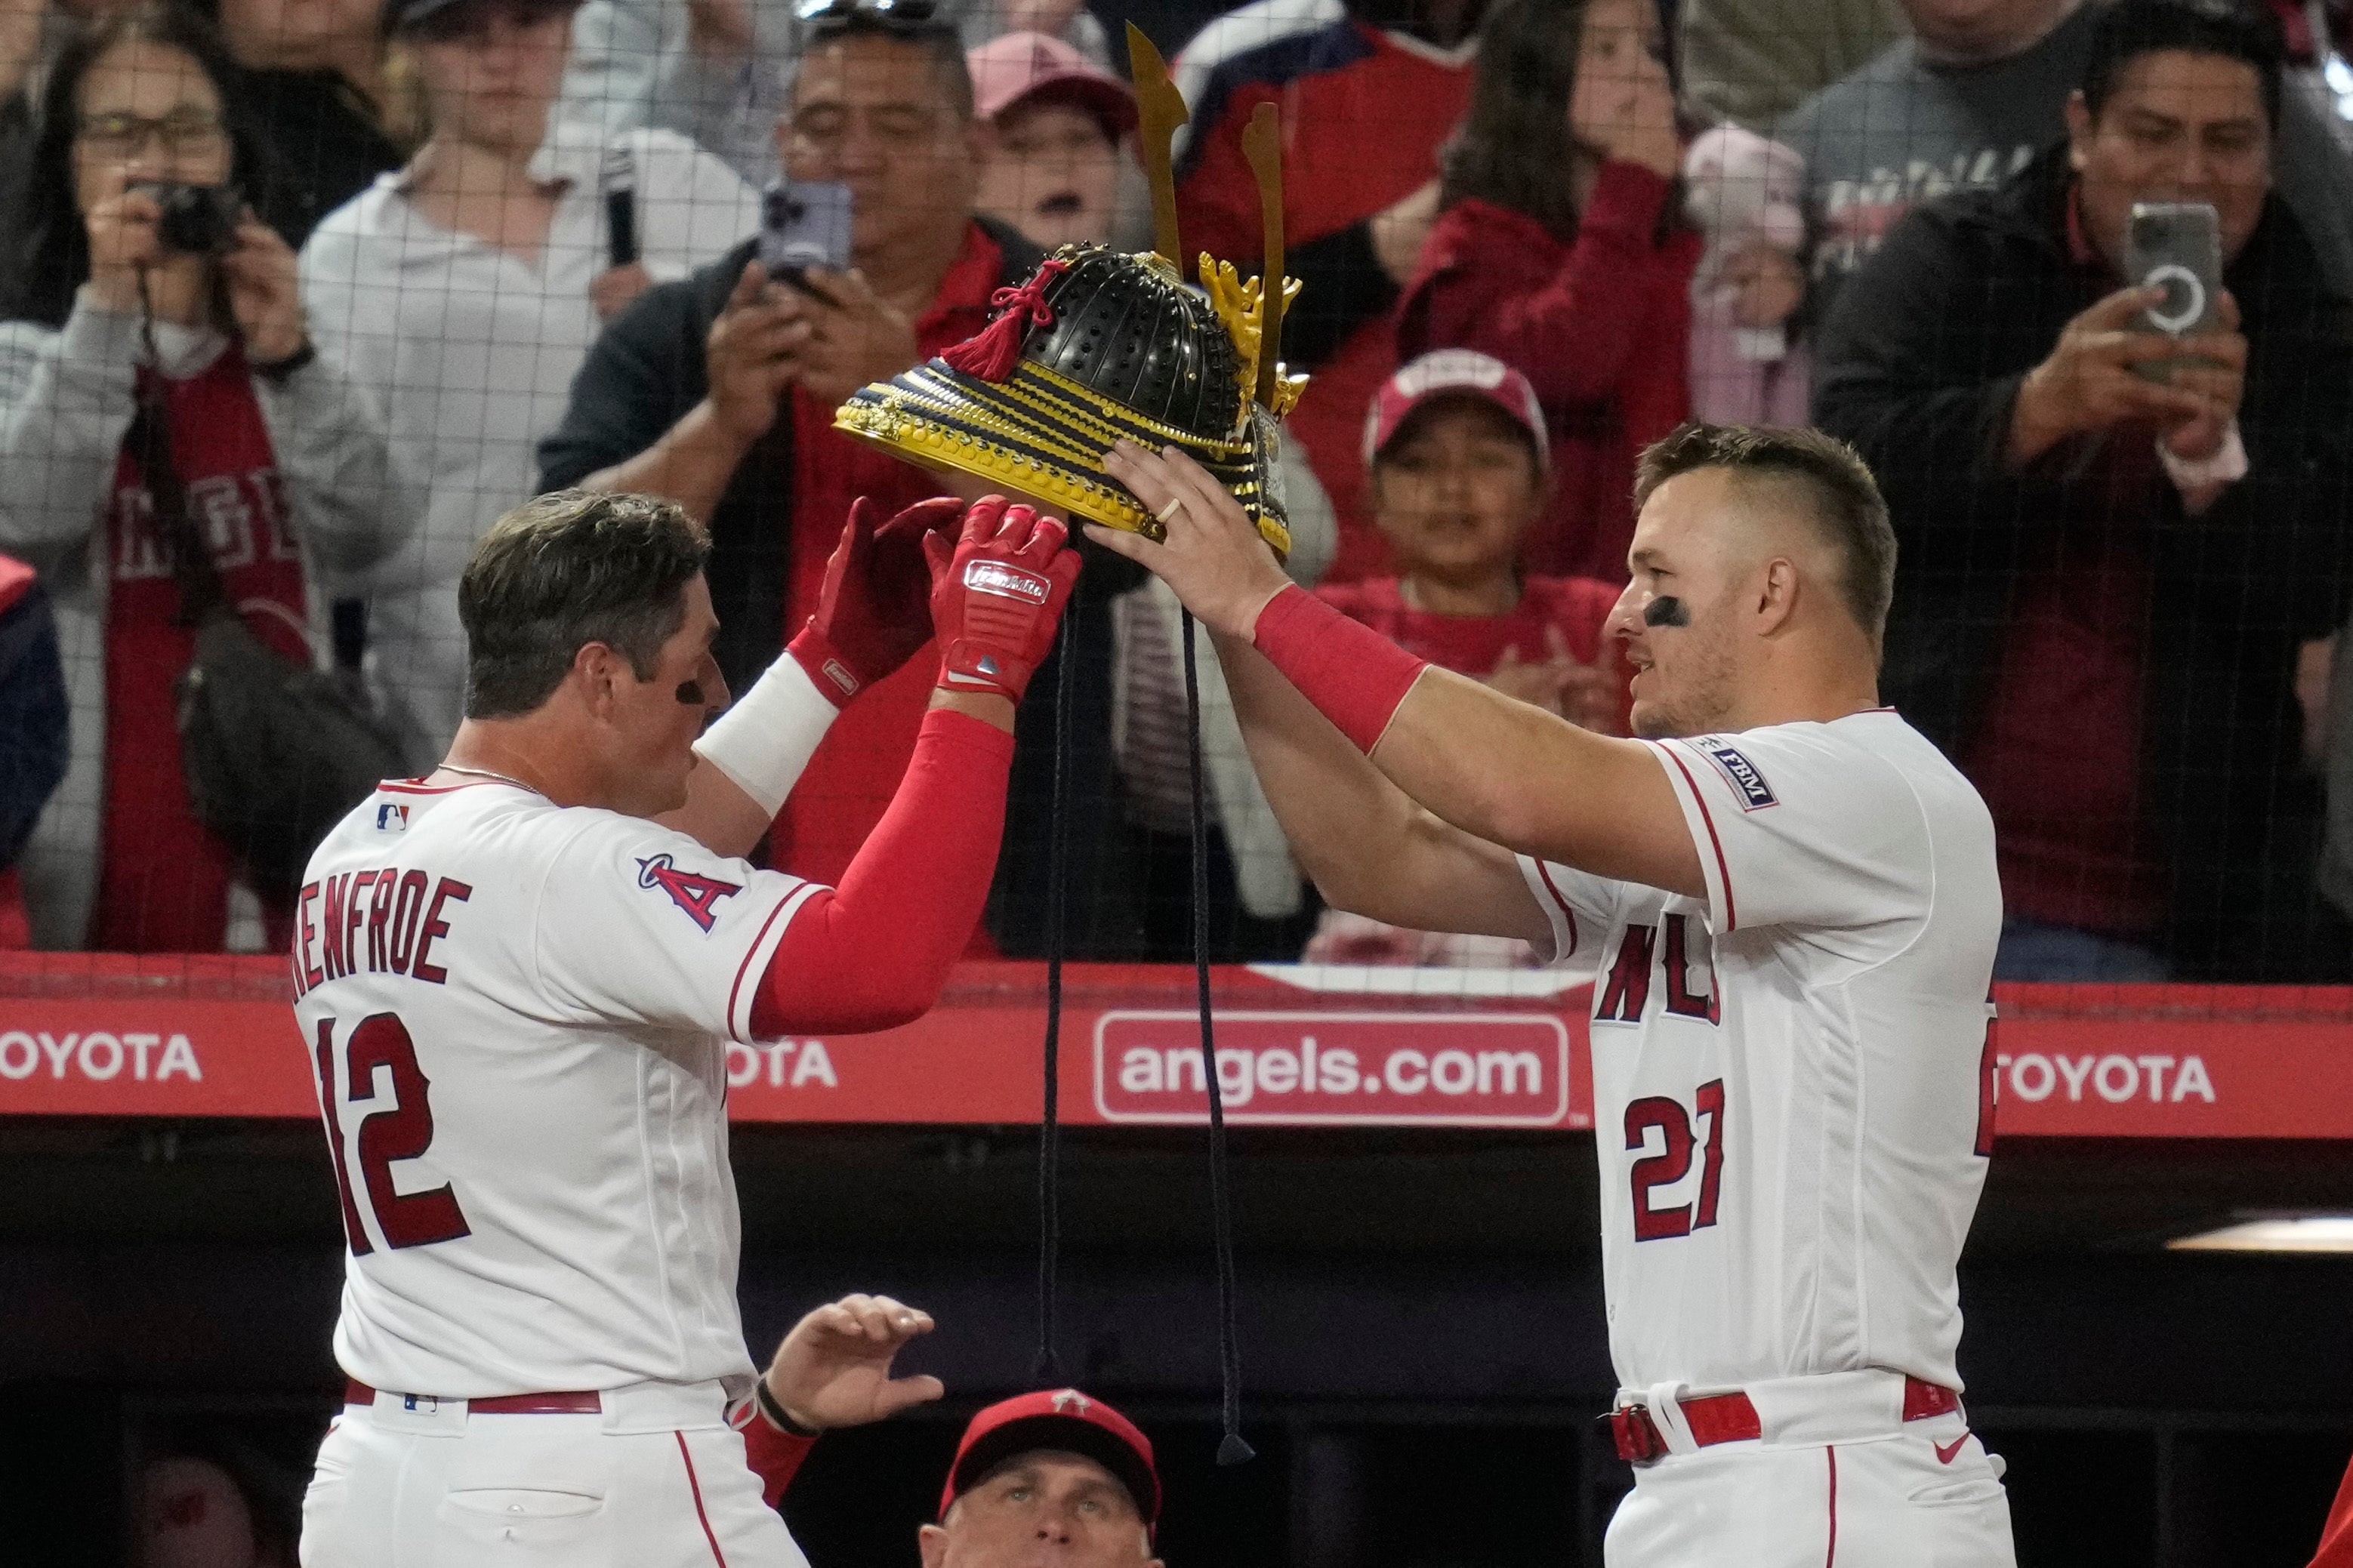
(833, 1369)
(873, 953)
(1369, 849)
(748, 362)
(873, 613)
(1498, 770)
(1576, 335)
(67, 397)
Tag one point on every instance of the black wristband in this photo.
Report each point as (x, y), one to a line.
(774, 1411)
(277, 370)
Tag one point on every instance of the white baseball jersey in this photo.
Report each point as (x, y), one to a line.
(518, 1016)
(1791, 1082)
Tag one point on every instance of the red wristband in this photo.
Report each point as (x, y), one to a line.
(1355, 677)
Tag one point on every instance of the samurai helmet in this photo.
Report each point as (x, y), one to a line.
(1097, 345)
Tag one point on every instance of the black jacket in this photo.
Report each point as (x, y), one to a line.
(33, 716)
(326, 147)
(1919, 367)
(644, 373)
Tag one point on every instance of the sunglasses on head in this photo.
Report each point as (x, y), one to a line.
(908, 14)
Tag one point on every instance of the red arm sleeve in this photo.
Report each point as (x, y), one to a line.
(1572, 333)
(774, 1456)
(873, 952)
(2336, 1536)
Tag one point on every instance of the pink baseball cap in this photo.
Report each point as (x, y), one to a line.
(1061, 1419)
(1454, 371)
(1019, 66)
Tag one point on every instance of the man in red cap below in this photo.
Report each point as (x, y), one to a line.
(1056, 1475)
(1053, 1476)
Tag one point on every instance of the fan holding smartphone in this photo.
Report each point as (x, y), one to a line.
(719, 391)
(2165, 349)
(2170, 147)
(804, 224)
(2103, 617)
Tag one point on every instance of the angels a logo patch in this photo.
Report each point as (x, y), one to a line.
(696, 893)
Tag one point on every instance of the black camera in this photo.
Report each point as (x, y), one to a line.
(197, 220)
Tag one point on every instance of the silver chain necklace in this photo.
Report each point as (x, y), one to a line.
(487, 774)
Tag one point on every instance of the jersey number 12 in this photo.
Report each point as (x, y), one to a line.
(399, 1128)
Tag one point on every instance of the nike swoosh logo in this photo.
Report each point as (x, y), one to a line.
(1945, 1452)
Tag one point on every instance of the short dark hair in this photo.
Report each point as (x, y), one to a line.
(568, 569)
(2130, 28)
(1839, 497)
(938, 39)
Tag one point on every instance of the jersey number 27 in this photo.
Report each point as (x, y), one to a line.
(1672, 1163)
(401, 1128)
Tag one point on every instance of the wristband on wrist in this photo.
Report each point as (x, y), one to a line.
(276, 371)
(773, 1408)
(2227, 466)
(1355, 677)
(765, 739)
(827, 671)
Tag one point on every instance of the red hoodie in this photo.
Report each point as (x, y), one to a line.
(1599, 326)
(16, 928)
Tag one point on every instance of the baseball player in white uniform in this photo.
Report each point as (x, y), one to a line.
(1788, 902)
(517, 979)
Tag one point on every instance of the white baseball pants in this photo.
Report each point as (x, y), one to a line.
(658, 1480)
(1926, 1497)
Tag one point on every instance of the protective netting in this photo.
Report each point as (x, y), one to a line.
(333, 297)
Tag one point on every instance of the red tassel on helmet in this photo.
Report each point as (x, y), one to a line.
(991, 354)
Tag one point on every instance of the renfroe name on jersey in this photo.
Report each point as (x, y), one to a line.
(379, 922)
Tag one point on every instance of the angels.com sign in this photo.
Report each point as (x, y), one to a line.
(1446, 1069)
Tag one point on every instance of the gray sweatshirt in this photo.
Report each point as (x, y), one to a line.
(66, 400)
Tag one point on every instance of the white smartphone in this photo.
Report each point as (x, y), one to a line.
(2176, 247)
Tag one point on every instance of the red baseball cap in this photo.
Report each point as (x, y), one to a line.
(1018, 66)
(1061, 1419)
(1444, 372)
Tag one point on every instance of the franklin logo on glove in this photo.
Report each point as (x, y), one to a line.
(997, 592)
(1006, 581)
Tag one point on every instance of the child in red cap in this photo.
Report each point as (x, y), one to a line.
(1456, 449)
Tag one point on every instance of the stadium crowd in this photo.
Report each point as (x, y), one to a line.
(303, 294)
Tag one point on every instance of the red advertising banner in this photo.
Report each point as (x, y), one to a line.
(108, 1035)
(2174, 1061)
(152, 1058)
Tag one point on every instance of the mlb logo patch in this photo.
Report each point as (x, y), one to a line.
(1738, 772)
(391, 817)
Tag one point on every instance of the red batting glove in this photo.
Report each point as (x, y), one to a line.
(874, 610)
(996, 596)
